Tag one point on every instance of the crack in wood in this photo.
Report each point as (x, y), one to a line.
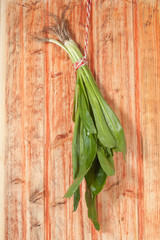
(56, 75)
(18, 181)
(30, 6)
(35, 225)
(38, 51)
(58, 203)
(37, 197)
(108, 38)
(113, 185)
(61, 138)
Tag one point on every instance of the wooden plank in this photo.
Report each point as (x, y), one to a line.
(3, 5)
(148, 55)
(25, 121)
(124, 58)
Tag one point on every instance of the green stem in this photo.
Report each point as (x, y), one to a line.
(75, 54)
(62, 46)
(73, 50)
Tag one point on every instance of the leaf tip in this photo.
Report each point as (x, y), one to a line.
(66, 196)
(97, 226)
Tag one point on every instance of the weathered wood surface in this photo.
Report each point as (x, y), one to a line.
(124, 55)
(2, 110)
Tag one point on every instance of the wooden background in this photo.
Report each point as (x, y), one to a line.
(124, 56)
(2, 111)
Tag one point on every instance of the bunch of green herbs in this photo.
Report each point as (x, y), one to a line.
(97, 131)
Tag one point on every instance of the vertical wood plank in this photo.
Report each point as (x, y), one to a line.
(3, 12)
(140, 185)
(25, 123)
(148, 29)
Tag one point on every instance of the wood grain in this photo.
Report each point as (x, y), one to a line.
(124, 53)
(3, 11)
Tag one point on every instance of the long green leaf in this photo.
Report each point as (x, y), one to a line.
(104, 134)
(75, 106)
(88, 149)
(106, 161)
(84, 111)
(114, 125)
(76, 199)
(75, 156)
(91, 205)
(96, 178)
(75, 145)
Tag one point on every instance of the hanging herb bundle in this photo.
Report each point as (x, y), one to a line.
(97, 131)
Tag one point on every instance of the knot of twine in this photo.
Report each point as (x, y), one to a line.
(83, 61)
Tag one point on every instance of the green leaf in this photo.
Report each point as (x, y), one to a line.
(81, 83)
(106, 161)
(84, 110)
(75, 156)
(75, 145)
(96, 178)
(114, 125)
(88, 149)
(104, 134)
(91, 205)
(110, 117)
(76, 199)
(75, 106)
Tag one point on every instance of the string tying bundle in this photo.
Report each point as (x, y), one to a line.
(83, 61)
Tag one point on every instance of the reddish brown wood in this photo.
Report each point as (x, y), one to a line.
(124, 53)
